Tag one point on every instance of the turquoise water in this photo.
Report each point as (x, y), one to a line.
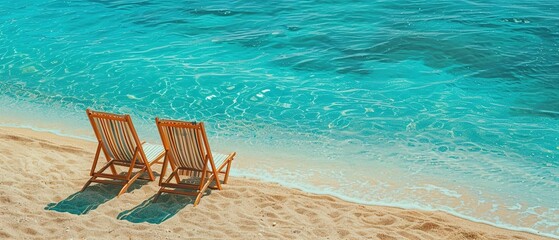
(450, 105)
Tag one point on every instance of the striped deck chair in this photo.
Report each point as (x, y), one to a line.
(187, 151)
(120, 144)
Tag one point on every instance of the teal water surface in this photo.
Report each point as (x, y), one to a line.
(448, 105)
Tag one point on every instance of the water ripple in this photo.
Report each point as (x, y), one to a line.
(458, 98)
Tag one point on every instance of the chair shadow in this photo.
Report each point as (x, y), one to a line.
(92, 197)
(167, 206)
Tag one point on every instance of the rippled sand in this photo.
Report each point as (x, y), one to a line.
(41, 174)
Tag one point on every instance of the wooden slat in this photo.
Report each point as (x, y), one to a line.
(104, 175)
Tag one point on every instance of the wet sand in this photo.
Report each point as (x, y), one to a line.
(42, 174)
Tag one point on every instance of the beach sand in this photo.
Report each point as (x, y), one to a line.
(42, 173)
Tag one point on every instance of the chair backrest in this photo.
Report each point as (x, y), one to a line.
(116, 133)
(186, 142)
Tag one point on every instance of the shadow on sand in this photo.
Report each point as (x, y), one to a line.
(167, 206)
(92, 197)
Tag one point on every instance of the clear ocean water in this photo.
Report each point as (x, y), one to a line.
(446, 105)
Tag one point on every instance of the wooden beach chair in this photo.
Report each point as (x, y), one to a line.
(121, 146)
(187, 151)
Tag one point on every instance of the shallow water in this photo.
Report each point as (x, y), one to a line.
(452, 105)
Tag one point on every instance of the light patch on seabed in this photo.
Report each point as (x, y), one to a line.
(65, 122)
(15, 113)
(132, 97)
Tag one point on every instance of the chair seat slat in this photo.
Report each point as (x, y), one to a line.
(153, 151)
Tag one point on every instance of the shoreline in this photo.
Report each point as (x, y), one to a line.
(281, 162)
(261, 209)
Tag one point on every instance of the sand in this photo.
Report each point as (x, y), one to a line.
(42, 173)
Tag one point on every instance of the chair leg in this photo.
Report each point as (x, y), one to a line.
(113, 170)
(124, 188)
(161, 181)
(130, 182)
(109, 164)
(198, 197)
(174, 168)
(87, 184)
(211, 178)
(143, 178)
(157, 195)
(177, 176)
(227, 172)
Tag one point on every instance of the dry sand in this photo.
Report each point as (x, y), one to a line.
(41, 174)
